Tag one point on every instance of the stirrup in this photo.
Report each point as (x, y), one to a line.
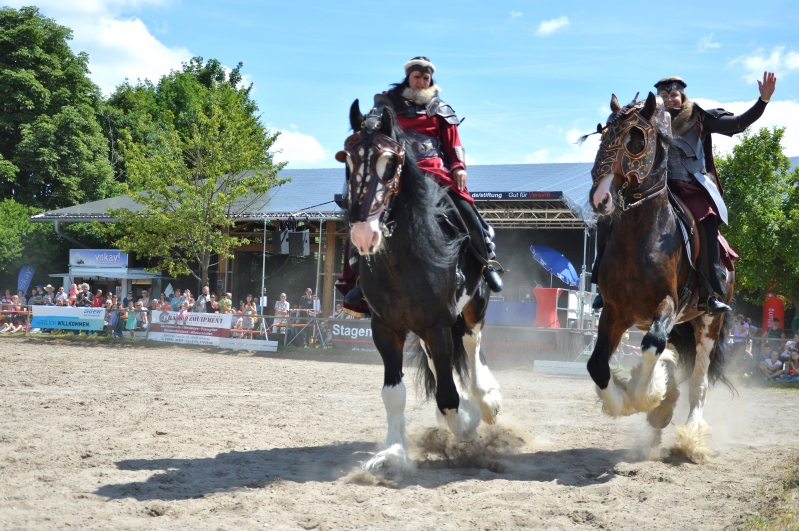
(598, 302)
(714, 306)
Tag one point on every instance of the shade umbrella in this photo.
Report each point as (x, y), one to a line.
(557, 264)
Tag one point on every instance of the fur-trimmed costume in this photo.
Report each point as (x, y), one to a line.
(692, 150)
(431, 127)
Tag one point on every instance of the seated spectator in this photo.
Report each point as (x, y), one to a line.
(145, 298)
(790, 370)
(85, 299)
(175, 301)
(128, 300)
(48, 301)
(772, 367)
(13, 325)
(73, 290)
(214, 305)
(162, 300)
(98, 300)
(61, 295)
(183, 312)
(337, 313)
(21, 297)
(236, 323)
(110, 318)
(72, 301)
(142, 322)
(38, 295)
(6, 300)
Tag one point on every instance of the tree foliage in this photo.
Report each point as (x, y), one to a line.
(207, 162)
(52, 151)
(762, 195)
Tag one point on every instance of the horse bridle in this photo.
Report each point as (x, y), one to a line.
(371, 195)
(635, 168)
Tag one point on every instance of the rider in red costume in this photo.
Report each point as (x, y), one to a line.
(431, 131)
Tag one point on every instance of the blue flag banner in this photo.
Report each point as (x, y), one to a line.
(25, 277)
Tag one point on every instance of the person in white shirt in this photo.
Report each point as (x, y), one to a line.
(281, 310)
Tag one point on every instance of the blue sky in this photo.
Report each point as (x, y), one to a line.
(529, 77)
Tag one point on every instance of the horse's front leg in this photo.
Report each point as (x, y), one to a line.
(459, 411)
(394, 459)
(612, 391)
(649, 380)
(692, 438)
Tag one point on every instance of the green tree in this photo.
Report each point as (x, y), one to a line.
(193, 179)
(762, 195)
(141, 109)
(52, 151)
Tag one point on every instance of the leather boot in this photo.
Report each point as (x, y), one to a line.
(603, 229)
(710, 264)
(355, 295)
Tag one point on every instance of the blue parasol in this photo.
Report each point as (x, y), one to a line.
(555, 263)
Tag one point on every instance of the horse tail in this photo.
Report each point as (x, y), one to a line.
(460, 359)
(683, 338)
(426, 380)
(721, 355)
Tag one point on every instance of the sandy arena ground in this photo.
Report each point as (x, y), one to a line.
(99, 435)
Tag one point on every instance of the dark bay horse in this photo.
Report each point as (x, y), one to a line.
(643, 270)
(416, 279)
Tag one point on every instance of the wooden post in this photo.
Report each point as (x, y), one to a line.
(330, 268)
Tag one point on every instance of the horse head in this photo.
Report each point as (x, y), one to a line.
(628, 155)
(374, 161)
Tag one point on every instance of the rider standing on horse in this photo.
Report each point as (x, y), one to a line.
(692, 175)
(431, 133)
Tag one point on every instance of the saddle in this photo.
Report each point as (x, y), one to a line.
(688, 228)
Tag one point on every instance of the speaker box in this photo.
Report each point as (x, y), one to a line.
(280, 242)
(299, 244)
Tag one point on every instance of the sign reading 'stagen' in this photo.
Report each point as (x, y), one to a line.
(190, 329)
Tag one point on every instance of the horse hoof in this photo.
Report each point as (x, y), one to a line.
(490, 406)
(692, 441)
(463, 421)
(390, 462)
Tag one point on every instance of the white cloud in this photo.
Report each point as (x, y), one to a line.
(777, 61)
(537, 157)
(778, 113)
(119, 46)
(548, 27)
(706, 43)
(515, 14)
(301, 151)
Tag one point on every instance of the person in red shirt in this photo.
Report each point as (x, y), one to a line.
(431, 133)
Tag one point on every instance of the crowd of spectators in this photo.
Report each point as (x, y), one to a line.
(772, 353)
(131, 312)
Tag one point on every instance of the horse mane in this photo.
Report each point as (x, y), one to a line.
(419, 210)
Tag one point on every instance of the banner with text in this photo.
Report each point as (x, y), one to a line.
(97, 258)
(352, 334)
(67, 318)
(190, 328)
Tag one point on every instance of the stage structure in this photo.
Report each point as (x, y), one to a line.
(526, 203)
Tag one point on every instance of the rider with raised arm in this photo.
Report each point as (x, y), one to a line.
(692, 175)
(431, 131)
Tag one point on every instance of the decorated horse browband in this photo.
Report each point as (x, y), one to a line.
(614, 157)
(369, 193)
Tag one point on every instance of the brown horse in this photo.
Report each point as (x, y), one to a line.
(645, 275)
